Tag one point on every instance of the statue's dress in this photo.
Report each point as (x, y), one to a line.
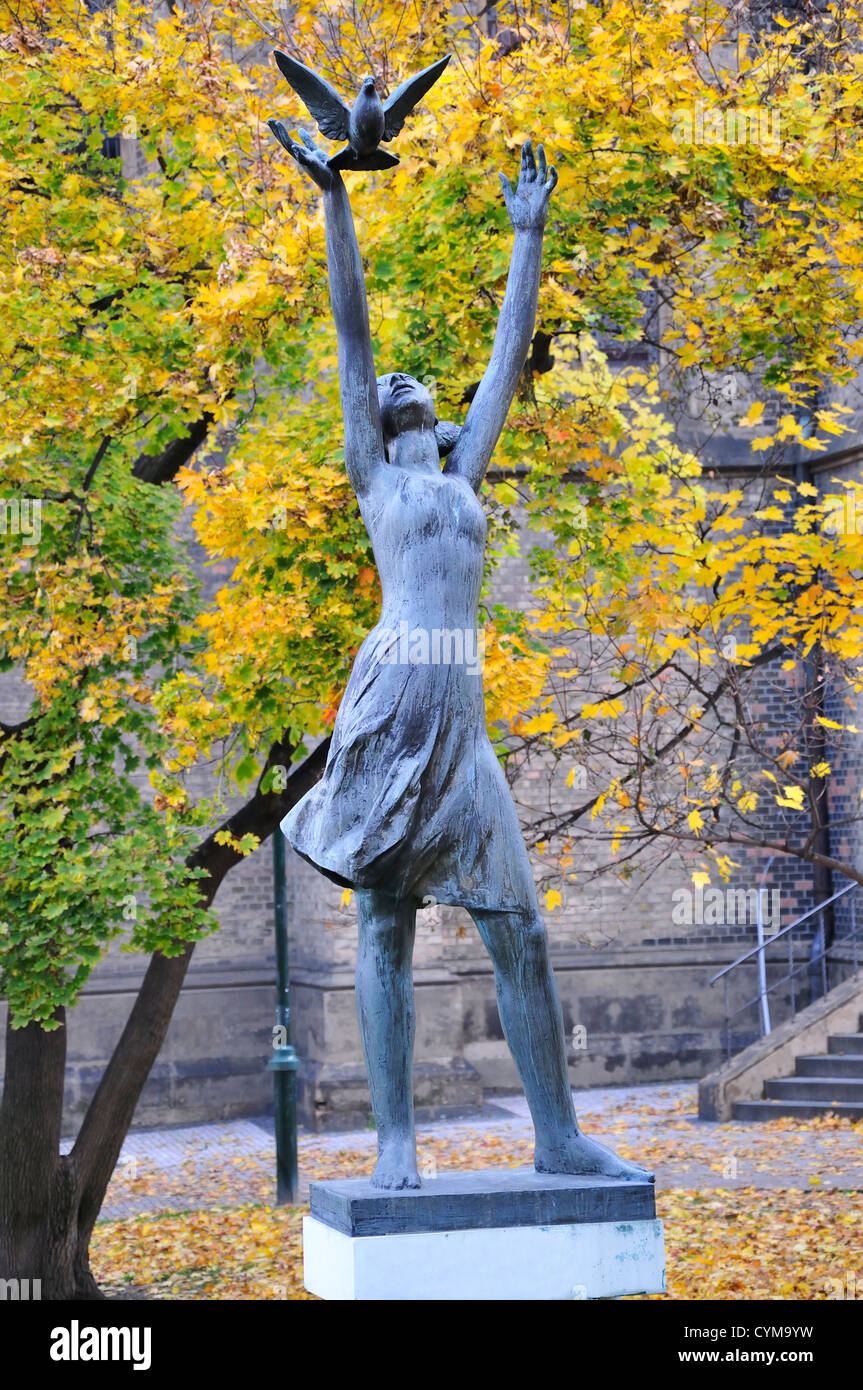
(413, 799)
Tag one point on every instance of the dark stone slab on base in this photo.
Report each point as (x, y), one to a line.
(474, 1201)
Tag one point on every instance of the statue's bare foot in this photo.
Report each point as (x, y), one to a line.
(396, 1167)
(586, 1157)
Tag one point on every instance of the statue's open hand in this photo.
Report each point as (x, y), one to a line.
(527, 205)
(307, 155)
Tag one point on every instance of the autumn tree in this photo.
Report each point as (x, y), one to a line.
(131, 334)
(166, 342)
(701, 698)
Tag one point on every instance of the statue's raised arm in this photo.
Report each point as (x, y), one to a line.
(364, 448)
(527, 206)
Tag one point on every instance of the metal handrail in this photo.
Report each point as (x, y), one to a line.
(813, 911)
(813, 960)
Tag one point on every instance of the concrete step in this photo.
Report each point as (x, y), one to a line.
(753, 1110)
(815, 1088)
(845, 1043)
(828, 1067)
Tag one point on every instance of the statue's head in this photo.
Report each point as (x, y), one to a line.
(406, 404)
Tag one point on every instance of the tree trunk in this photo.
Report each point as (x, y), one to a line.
(49, 1203)
(37, 1186)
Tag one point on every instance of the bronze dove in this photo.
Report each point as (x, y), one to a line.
(365, 124)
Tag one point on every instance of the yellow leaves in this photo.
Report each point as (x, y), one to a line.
(695, 821)
(89, 709)
(728, 523)
(246, 1252)
(553, 899)
(225, 306)
(513, 676)
(604, 709)
(540, 724)
(787, 758)
(789, 427)
(171, 797)
(763, 443)
(753, 415)
(243, 845)
(506, 494)
(793, 798)
(831, 724)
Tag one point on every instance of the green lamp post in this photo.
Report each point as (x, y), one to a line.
(284, 1062)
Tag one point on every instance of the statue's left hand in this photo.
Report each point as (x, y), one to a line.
(307, 155)
(527, 204)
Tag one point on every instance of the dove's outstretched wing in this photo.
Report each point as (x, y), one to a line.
(404, 98)
(322, 100)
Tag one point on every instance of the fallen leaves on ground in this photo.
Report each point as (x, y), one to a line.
(778, 1243)
(773, 1240)
(826, 1150)
(721, 1244)
(211, 1254)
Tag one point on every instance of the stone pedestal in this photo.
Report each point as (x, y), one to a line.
(491, 1235)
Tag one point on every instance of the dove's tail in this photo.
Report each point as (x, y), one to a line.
(348, 159)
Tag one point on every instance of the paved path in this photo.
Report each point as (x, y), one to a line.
(231, 1163)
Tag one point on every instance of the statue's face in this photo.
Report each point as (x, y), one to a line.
(405, 405)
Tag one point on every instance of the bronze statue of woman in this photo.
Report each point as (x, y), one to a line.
(413, 805)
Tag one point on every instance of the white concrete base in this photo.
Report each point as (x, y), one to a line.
(602, 1260)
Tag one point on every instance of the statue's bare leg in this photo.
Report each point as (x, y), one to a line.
(385, 1004)
(532, 1023)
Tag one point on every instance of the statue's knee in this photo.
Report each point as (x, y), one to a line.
(533, 931)
(515, 935)
(384, 927)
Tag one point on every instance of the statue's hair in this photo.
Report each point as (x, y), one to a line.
(446, 433)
